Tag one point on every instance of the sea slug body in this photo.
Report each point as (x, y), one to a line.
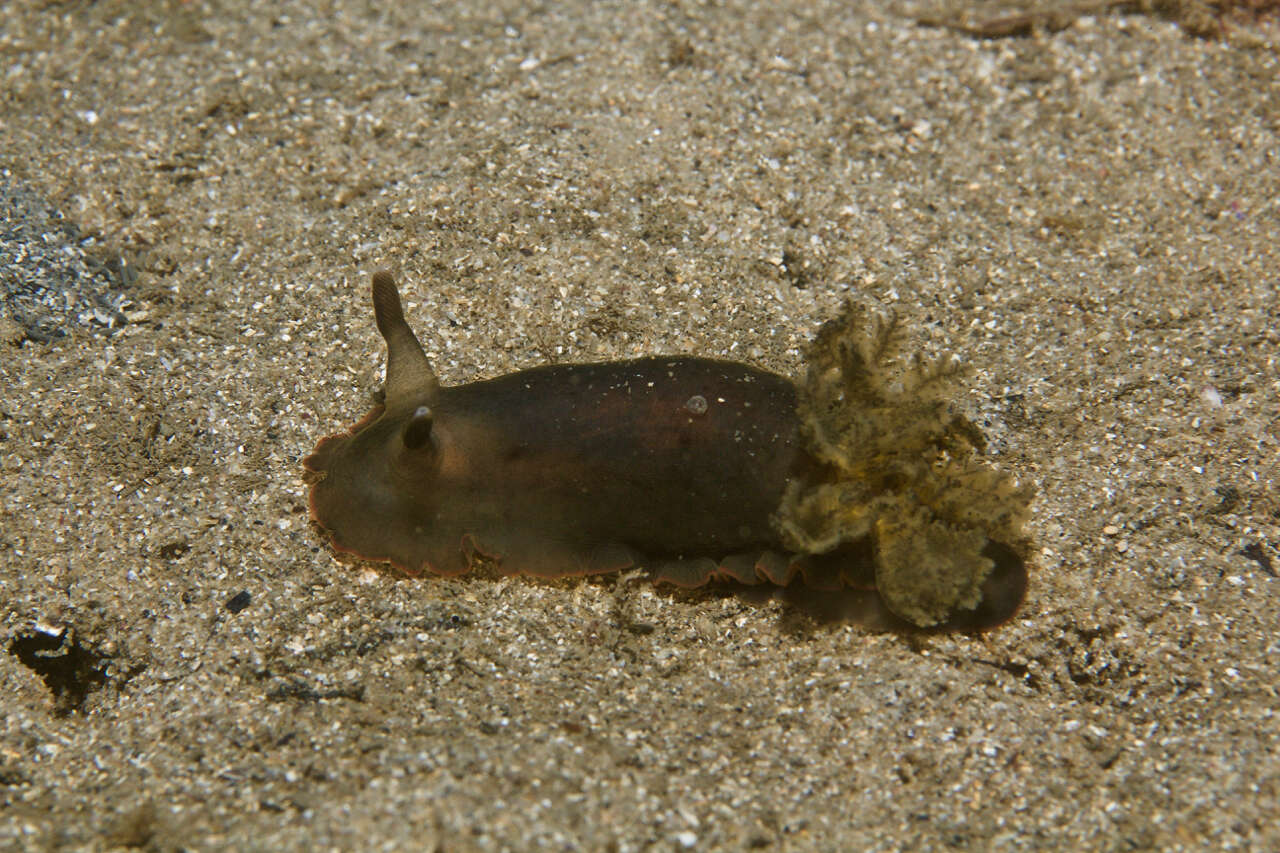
(861, 476)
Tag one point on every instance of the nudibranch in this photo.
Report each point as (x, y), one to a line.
(863, 476)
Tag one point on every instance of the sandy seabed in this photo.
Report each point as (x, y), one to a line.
(1090, 216)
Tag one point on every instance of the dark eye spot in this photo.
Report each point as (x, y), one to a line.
(418, 431)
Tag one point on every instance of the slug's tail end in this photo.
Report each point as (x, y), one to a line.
(899, 465)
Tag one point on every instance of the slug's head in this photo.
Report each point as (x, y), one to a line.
(373, 486)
